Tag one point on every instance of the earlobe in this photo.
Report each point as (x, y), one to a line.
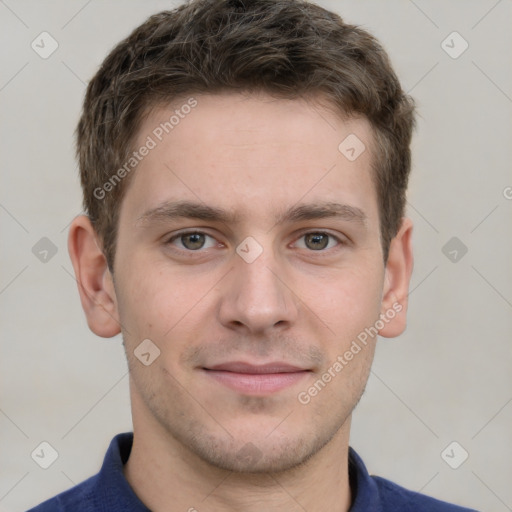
(94, 279)
(396, 282)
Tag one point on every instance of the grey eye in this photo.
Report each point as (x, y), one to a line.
(316, 241)
(193, 241)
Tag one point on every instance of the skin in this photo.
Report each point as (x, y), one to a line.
(254, 158)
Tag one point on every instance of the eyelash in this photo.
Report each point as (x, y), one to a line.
(339, 241)
(185, 233)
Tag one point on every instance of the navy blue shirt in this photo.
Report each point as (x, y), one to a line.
(109, 491)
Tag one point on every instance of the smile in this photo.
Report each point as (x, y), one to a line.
(256, 380)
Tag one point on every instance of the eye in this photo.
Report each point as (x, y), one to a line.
(193, 241)
(317, 241)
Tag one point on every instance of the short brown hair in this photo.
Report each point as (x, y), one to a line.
(286, 48)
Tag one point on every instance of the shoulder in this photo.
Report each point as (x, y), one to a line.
(107, 491)
(79, 499)
(380, 495)
(395, 498)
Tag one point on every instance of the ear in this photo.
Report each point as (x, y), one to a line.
(396, 282)
(95, 283)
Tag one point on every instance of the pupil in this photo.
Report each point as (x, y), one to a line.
(193, 241)
(317, 241)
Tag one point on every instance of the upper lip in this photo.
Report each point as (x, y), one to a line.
(242, 367)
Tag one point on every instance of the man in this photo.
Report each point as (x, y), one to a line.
(244, 167)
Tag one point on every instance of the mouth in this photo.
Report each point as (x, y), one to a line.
(254, 379)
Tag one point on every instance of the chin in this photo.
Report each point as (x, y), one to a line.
(256, 454)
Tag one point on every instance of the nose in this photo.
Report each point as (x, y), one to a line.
(257, 298)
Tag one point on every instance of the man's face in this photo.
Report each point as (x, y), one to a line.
(249, 253)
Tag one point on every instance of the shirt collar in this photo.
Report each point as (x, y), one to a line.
(114, 491)
(365, 493)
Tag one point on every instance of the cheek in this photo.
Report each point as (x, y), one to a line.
(158, 303)
(347, 301)
(145, 300)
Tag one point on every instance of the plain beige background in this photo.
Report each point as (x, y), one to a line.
(448, 378)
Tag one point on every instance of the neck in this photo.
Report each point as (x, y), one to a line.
(166, 476)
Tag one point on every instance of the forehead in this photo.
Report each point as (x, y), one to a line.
(252, 152)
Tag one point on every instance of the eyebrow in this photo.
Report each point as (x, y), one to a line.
(170, 210)
(185, 209)
(323, 210)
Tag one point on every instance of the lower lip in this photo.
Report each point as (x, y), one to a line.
(256, 384)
